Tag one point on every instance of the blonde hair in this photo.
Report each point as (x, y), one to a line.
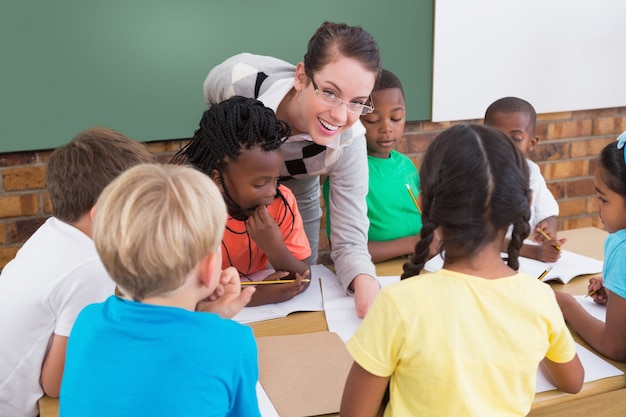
(154, 223)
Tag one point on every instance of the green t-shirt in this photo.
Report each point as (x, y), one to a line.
(390, 208)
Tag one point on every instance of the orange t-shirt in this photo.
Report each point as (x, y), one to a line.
(240, 251)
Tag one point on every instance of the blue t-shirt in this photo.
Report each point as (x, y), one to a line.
(614, 268)
(126, 358)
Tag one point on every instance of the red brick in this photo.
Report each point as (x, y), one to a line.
(6, 254)
(557, 189)
(572, 207)
(579, 188)
(169, 146)
(17, 159)
(597, 113)
(46, 203)
(569, 129)
(419, 143)
(566, 115)
(3, 233)
(588, 147)
(579, 222)
(21, 230)
(550, 151)
(412, 127)
(19, 205)
(24, 178)
(611, 126)
(564, 169)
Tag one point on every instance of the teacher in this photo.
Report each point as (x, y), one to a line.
(321, 99)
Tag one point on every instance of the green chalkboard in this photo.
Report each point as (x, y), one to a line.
(138, 65)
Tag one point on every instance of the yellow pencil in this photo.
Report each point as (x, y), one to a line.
(544, 273)
(276, 281)
(408, 187)
(590, 293)
(548, 237)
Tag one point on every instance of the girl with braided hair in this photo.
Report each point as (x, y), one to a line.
(238, 146)
(475, 331)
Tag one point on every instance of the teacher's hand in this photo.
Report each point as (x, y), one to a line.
(366, 289)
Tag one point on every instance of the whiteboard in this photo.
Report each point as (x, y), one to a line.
(560, 55)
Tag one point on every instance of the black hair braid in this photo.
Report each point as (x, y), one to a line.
(422, 249)
(521, 229)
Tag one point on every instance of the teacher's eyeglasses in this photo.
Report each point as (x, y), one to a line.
(331, 100)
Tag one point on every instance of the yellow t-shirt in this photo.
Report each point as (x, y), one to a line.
(459, 345)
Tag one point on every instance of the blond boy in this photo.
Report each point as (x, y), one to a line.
(158, 231)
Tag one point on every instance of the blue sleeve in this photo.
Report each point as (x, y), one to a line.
(614, 272)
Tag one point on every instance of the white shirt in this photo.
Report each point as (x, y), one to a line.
(53, 276)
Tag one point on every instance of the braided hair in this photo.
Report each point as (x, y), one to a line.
(226, 130)
(474, 184)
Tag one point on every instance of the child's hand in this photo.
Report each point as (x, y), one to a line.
(268, 294)
(548, 252)
(544, 233)
(596, 287)
(228, 298)
(262, 228)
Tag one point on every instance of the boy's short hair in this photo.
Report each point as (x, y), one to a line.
(154, 223)
(79, 170)
(388, 79)
(511, 105)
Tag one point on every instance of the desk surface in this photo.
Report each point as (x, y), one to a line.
(604, 397)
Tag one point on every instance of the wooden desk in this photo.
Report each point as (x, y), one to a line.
(606, 397)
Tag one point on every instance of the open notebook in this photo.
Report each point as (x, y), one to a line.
(309, 300)
(341, 318)
(569, 266)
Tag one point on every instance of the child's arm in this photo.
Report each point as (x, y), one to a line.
(262, 228)
(608, 338)
(52, 367)
(363, 393)
(568, 376)
(382, 251)
(267, 294)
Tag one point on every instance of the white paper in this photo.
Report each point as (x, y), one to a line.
(265, 404)
(570, 265)
(596, 310)
(595, 368)
(340, 312)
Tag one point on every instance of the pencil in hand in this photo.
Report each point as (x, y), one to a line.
(558, 247)
(275, 281)
(592, 292)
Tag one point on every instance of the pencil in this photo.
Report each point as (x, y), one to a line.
(276, 281)
(592, 292)
(548, 237)
(408, 187)
(544, 273)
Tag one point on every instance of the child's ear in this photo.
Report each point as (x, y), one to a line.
(210, 268)
(301, 78)
(92, 213)
(215, 176)
(533, 142)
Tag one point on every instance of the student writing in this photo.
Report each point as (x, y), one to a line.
(158, 230)
(466, 340)
(238, 145)
(395, 220)
(609, 337)
(517, 118)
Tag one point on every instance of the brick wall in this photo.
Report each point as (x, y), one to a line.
(566, 153)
